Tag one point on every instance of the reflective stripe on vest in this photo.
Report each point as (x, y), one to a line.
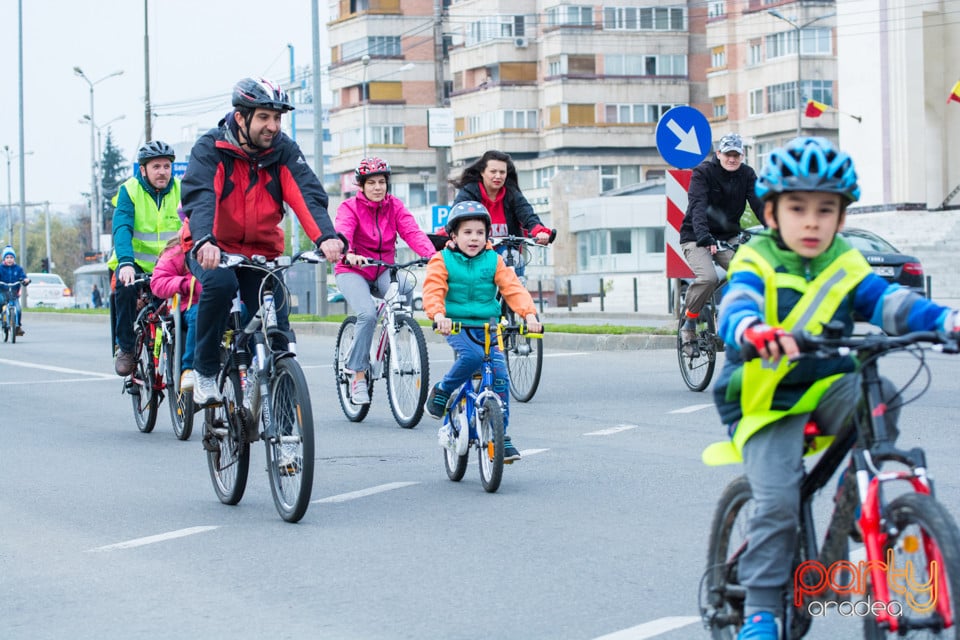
(819, 302)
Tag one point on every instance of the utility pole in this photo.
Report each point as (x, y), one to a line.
(318, 141)
(442, 168)
(147, 123)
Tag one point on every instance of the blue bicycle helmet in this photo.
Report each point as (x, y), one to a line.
(467, 210)
(808, 164)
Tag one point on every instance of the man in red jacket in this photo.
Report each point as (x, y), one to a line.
(233, 191)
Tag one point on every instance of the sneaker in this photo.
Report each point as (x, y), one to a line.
(437, 401)
(186, 381)
(205, 392)
(446, 439)
(19, 331)
(125, 363)
(688, 337)
(359, 394)
(759, 626)
(510, 452)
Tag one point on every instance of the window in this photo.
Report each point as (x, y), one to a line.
(570, 15)
(816, 41)
(754, 53)
(762, 150)
(542, 177)
(781, 44)
(620, 241)
(373, 46)
(648, 19)
(635, 113)
(620, 18)
(616, 176)
(718, 57)
(517, 119)
(819, 90)
(557, 66)
(496, 27)
(634, 65)
(716, 8)
(719, 107)
(782, 97)
(386, 134)
(755, 102)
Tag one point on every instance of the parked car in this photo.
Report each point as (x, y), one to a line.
(49, 290)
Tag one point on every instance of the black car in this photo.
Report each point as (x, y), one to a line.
(886, 260)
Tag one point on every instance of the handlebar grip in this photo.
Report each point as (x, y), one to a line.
(553, 236)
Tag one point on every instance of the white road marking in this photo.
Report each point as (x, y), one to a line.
(363, 493)
(34, 382)
(531, 452)
(692, 408)
(651, 629)
(612, 430)
(162, 537)
(30, 365)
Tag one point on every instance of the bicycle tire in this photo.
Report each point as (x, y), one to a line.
(345, 336)
(290, 452)
(408, 373)
(490, 445)
(140, 386)
(697, 369)
(727, 541)
(455, 466)
(524, 358)
(181, 404)
(229, 465)
(11, 328)
(7, 316)
(918, 520)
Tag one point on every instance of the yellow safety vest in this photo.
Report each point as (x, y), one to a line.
(153, 226)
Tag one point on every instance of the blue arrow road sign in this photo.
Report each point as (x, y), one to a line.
(683, 137)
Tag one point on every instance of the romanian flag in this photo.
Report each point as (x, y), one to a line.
(955, 94)
(815, 109)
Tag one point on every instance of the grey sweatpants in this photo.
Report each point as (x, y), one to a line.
(773, 458)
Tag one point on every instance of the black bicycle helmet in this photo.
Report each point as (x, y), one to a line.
(155, 149)
(467, 210)
(250, 93)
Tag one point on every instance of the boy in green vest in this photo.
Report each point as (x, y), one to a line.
(461, 285)
(798, 276)
(145, 219)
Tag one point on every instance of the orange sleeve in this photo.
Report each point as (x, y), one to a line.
(435, 286)
(513, 290)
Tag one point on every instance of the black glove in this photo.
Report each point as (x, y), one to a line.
(706, 241)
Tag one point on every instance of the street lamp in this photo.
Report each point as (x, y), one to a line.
(11, 156)
(798, 28)
(94, 193)
(99, 164)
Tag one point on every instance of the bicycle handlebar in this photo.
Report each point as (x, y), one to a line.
(230, 260)
(419, 262)
(11, 285)
(519, 328)
(516, 241)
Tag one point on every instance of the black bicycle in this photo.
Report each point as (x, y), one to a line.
(524, 354)
(909, 534)
(264, 395)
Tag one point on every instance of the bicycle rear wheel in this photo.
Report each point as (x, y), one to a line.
(524, 363)
(490, 447)
(924, 546)
(140, 385)
(229, 461)
(345, 336)
(408, 373)
(721, 594)
(290, 451)
(698, 362)
(181, 404)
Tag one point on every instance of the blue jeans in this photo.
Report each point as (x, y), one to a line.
(469, 358)
(190, 342)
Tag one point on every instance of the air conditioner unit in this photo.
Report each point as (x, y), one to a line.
(520, 43)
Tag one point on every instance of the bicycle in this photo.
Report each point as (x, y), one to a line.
(182, 408)
(524, 355)
(910, 532)
(9, 305)
(398, 353)
(264, 396)
(698, 360)
(475, 416)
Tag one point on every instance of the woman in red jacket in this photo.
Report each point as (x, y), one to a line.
(371, 221)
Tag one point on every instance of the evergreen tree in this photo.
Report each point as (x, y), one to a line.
(114, 170)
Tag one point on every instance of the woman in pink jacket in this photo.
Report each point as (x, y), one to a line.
(171, 276)
(371, 221)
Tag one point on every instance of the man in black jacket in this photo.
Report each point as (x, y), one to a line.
(720, 188)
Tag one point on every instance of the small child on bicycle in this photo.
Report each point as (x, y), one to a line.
(371, 221)
(461, 285)
(797, 276)
(12, 273)
(170, 277)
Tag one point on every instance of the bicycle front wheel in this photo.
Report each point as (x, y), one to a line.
(490, 447)
(408, 371)
(143, 396)
(7, 318)
(922, 551)
(345, 336)
(290, 450)
(455, 465)
(721, 594)
(699, 358)
(524, 363)
(228, 454)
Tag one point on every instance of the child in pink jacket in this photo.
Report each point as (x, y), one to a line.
(171, 276)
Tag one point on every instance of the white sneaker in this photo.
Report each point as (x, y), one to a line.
(446, 439)
(358, 391)
(205, 392)
(186, 381)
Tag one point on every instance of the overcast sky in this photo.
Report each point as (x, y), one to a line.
(198, 49)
